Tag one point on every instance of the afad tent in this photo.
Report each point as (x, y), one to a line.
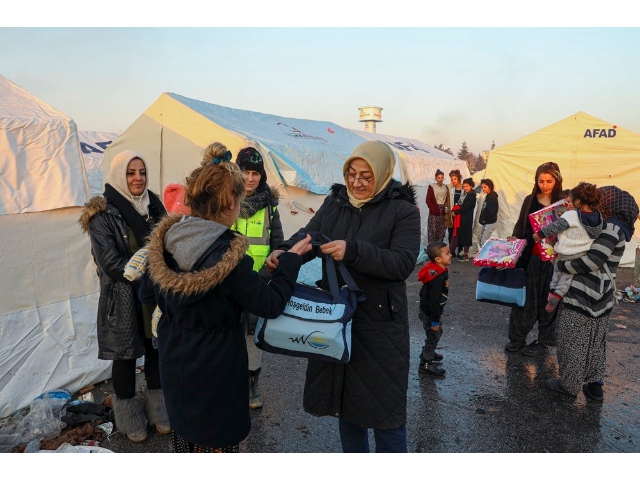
(48, 286)
(585, 148)
(303, 157)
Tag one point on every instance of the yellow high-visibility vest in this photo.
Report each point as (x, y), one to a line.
(257, 228)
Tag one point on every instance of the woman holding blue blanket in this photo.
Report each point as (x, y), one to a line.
(374, 223)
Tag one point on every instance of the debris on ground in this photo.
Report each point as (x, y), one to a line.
(629, 294)
(55, 423)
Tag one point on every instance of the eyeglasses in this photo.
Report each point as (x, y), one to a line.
(351, 178)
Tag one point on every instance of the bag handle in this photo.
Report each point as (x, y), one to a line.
(318, 239)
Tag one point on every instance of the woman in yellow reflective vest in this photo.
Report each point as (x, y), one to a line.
(259, 220)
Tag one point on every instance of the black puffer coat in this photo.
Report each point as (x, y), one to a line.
(120, 327)
(383, 242)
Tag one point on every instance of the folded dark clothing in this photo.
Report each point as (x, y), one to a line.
(87, 412)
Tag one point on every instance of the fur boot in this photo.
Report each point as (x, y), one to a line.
(129, 416)
(156, 411)
(254, 392)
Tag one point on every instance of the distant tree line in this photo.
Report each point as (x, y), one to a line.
(474, 162)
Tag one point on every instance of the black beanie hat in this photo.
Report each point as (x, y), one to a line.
(250, 159)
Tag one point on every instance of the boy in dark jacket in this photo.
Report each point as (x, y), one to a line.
(433, 297)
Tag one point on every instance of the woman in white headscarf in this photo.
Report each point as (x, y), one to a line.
(118, 223)
(374, 223)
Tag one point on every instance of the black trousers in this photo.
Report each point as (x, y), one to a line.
(458, 248)
(123, 372)
(523, 319)
(431, 340)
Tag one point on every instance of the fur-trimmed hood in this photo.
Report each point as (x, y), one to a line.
(93, 207)
(395, 190)
(192, 283)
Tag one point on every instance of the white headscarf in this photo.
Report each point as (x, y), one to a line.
(117, 178)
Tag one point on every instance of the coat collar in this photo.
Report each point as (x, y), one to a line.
(195, 282)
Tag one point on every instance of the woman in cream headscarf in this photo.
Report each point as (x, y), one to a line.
(118, 224)
(374, 223)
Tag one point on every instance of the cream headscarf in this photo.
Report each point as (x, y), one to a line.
(382, 161)
(117, 178)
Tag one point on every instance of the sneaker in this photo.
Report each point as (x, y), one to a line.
(554, 384)
(431, 369)
(534, 349)
(514, 346)
(462, 258)
(593, 391)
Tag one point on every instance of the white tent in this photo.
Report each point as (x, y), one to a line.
(48, 287)
(92, 146)
(420, 162)
(302, 157)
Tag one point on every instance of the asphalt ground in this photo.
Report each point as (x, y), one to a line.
(489, 400)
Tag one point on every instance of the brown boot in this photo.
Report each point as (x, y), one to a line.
(130, 419)
(254, 393)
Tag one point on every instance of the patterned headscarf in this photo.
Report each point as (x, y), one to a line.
(619, 204)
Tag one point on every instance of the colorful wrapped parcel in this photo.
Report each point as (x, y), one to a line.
(541, 219)
(500, 253)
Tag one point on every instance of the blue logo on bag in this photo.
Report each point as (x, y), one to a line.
(313, 342)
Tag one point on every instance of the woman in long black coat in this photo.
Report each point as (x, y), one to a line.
(375, 226)
(463, 220)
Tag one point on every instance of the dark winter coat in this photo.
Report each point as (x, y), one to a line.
(524, 230)
(489, 213)
(201, 343)
(383, 242)
(120, 328)
(465, 230)
(434, 292)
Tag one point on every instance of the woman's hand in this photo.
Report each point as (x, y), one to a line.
(302, 247)
(272, 260)
(336, 249)
(512, 239)
(536, 238)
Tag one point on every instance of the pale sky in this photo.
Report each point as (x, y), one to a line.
(438, 85)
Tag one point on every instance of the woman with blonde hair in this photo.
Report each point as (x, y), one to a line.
(203, 280)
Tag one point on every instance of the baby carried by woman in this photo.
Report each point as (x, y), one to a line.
(576, 229)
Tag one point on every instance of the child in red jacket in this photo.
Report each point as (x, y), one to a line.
(433, 297)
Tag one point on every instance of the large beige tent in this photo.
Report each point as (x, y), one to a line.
(48, 286)
(586, 148)
(303, 158)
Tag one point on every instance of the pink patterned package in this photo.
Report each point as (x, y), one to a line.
(501, 253)
(541, 219)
